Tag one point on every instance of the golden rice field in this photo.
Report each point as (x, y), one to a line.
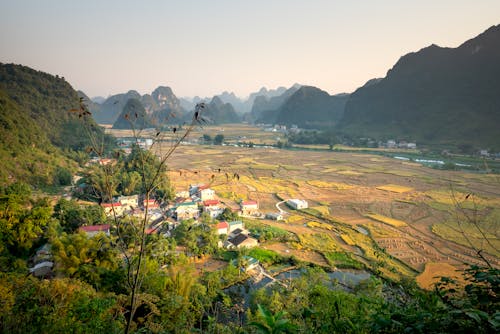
(392, 199)
(395, 188)
(386, 220)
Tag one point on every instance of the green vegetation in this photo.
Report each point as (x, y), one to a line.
(41, 125)
(342, 260)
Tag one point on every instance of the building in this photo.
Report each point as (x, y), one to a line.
(249, 208)
(274, 216)
(242, 241)
(206, 194)
(92, 230)
(151, 204)
(186, 210)
(129, 201)
(222, 228)
(235, 233)
(235, 225)
(213, 207)
(117, 207)
(297, 204)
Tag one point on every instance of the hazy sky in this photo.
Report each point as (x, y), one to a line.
(205, 47)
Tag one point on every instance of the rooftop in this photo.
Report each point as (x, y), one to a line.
(95, 228)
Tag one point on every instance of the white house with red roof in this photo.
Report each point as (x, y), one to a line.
(92, 230)
(213, 207)
(249, 208)
(117, 207)
(151, 204)
(222, 228)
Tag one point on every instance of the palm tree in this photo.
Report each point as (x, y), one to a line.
(272, 323)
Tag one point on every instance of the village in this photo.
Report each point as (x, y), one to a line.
(162, 218)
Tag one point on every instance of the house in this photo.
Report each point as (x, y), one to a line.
(234, 233)
(249, 208)
(186, 210)
(222, 228)
(151, 204)
(129, 201)
(297, 204)
(242, 241)
(182, 194)
(213, 207)
(117, 207)
(206, 194)
(235, 225)
(274, 216)
(92, 230)
(42, 269)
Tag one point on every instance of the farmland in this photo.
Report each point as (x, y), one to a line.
(413, 215)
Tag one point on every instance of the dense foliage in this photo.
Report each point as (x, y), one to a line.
(41, 127)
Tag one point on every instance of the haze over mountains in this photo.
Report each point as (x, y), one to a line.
(432, 96)
(435, 95)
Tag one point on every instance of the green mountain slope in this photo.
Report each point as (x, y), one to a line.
(434, 96)
(310, 107)
(37, 126)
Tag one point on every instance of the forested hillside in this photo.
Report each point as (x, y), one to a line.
(434, 96)
(40, 120)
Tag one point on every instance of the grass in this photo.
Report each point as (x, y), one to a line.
(294, 219)
(386, 220)
(342, 260)
(394, 188)
(433, 272)
(322, 210)
(455, 229)
(377, 231)
(265, 256)
(332, 185)
(316, 241)
(320, 225)
(347, 239)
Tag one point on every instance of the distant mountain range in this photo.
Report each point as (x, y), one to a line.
(436, 95)
(442, 96)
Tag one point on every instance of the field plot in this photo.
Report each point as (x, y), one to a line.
(414, 205)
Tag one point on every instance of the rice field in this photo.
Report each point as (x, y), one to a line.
(386, 220)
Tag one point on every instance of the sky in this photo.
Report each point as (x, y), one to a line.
(205, 47)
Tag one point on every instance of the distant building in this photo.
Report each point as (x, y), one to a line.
(274, 216)
(391, 143)
(151, 204)
(206, 194)
(117, 207)
(297, 204)
(92, 230)
(222, 228)
(249, 208)
(129, 201)
(235, 225)
(182, 194)
(186, 210)
(213, 207)
(242, 241)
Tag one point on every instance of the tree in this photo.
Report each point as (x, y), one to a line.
(219, 139)
(269, 323)
(132, 237)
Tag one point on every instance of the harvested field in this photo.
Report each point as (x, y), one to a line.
(392, 199)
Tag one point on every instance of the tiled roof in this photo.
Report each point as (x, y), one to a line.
(95, 228)
(109, 205)
(210, 202)
(249, 203)
(222, 225)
